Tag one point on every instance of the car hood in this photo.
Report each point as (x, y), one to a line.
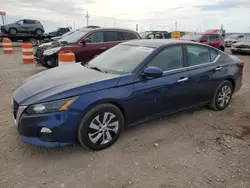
(53, 44)
(8, 25)
(242, 43)
(62, 82)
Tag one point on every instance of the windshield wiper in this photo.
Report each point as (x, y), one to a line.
(96, 68)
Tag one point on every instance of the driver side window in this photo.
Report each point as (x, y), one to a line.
(96, 37)
(20, 22)
(169, 59)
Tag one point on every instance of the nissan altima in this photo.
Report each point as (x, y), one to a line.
(133, 82)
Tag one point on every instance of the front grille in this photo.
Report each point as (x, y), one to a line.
(15, 108)
(243, 46)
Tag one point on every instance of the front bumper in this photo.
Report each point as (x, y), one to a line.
(240, 50)
(63, 126)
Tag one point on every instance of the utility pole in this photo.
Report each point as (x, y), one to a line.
(87, 17)
(175, 25)
(136, 27)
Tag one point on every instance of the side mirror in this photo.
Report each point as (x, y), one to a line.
(203, 40)
(153, 72)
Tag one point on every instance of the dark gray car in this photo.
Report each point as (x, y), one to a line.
(24, 26)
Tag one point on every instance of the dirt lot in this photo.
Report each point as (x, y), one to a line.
(198, 148)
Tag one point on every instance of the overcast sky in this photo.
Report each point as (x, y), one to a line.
(191, 15)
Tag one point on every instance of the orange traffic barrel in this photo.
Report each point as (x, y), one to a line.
(27, 53)
(7, 46)
(66, 57)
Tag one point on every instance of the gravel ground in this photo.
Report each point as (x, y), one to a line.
(198, 148)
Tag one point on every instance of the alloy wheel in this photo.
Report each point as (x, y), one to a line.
(103, 128)
(224, 96)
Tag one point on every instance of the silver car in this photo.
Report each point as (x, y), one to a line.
(23, 26)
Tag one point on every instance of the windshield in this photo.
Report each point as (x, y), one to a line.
(55, 30)
(68, 33)
(144, 34)
(74, 37)
(194, 37)
(121, 59)
(232, 37)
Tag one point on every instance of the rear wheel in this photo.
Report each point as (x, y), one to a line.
(12, 31)
(222, 96)
(39, 32)
(101, 127)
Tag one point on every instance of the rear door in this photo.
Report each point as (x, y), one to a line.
(92, 48)
(204, 72)
(111, 39)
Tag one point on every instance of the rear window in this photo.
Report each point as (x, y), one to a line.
(128, 36)
(193, 37)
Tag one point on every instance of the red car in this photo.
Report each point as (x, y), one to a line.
(85, 43)
(212, 39)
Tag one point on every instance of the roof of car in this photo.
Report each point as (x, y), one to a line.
(155, 43)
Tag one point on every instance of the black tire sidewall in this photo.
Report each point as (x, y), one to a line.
(224, 83)
(13, 30)
(91, 114)
(40, 32)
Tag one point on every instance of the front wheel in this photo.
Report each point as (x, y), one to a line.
(101, 127)
(13, 31)
(222, 96)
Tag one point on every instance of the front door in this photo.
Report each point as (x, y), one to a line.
(93, 47)
(214, 40)
(166, 94)
(204, 72)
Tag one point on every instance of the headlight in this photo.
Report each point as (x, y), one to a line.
(54, 106)
(51, 51)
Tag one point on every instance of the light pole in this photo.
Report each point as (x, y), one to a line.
(66, 19)
(74, 25)
(114, 21)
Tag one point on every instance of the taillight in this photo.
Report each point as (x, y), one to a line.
(242, 63)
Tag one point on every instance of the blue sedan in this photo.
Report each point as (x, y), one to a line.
(133, 82)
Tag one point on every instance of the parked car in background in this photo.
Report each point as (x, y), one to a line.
(85, 43)
(64, 35)
(133, 82)
(23, 26)
(162, 34)
(211, 39)
(155, 35)
(242, 46)
(93, 26)
(231, 39)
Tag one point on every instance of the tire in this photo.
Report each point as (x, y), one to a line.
(39, 32)
(12, 31)
(233, 52)
(33, 41)
(222, 48)
(105, 138)
(220, 95)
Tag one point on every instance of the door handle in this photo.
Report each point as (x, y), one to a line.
(183, 79)
(103, 48)
(218, 68)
